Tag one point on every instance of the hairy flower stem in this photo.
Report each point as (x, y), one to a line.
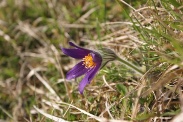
(130, 65)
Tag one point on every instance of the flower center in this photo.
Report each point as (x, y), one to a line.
(88, 61)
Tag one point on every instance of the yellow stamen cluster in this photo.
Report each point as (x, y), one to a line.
(88, 61)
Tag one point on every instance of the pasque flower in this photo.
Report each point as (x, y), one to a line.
(90, 64)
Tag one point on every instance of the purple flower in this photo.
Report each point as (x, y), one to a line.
(90, 64)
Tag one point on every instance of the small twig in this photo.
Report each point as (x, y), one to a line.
(107, 83)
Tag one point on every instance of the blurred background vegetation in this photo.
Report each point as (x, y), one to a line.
(32, 66)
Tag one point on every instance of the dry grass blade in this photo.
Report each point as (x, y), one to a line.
(83, 111)
(54, 118)
(66, 25)
(52, 104)
(107, 83)
(31, 31)
(56, 106)
(100, 119)
(44, 82)
(164, 79)
(179, 118)
(136, 101)
(83, 17)
(131, 7)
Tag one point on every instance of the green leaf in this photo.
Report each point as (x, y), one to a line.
(122, 89)
(175, 3)
(144, 116)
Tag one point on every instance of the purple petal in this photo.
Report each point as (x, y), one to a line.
(97, 58)
(88, 77)
(75, 53)
(76, 71)
(74, 45)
